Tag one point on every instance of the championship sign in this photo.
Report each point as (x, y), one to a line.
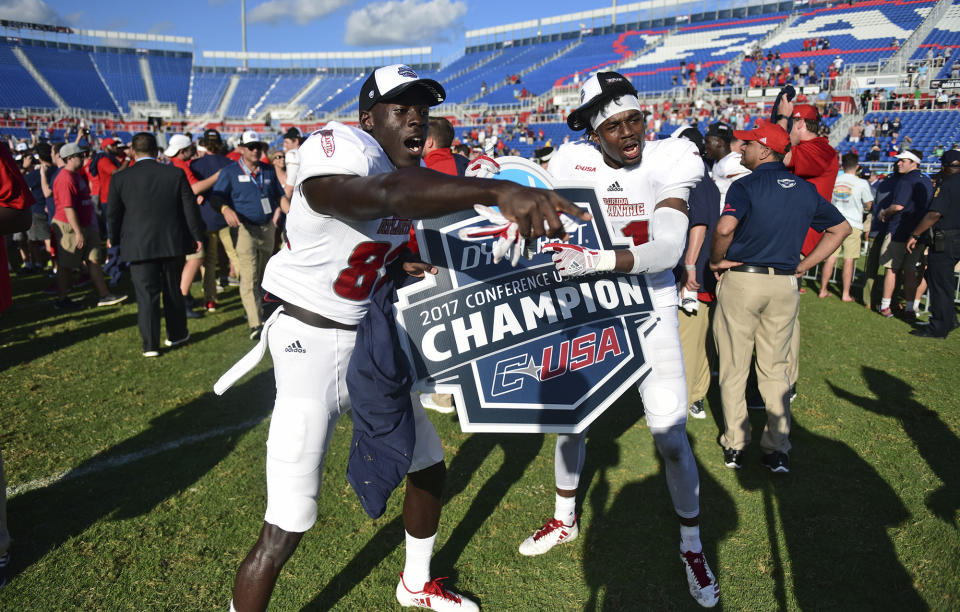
(521, 348)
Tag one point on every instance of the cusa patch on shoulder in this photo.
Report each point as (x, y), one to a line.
(327, 142)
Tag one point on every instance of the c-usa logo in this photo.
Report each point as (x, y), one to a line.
(786, 183)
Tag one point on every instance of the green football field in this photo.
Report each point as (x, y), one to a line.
(131, 486)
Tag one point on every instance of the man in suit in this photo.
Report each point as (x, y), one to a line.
(152, 216)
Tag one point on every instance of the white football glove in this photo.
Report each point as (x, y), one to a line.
(482, 167)
(501, 229)
(575, 260)
(506, 233)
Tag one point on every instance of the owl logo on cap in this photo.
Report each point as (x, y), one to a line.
(407, 71)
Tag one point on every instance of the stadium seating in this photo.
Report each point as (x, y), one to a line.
(326, 89)
(513, 61)
(926, 128)
(713, 44)
(71, 73)
(249, 90)
(285, 87)
(945, 34)
(171, 77)
(860, 33)
(121, 70)
(19, 88)
(207, 91)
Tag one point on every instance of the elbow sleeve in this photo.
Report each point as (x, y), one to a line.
(668, 235)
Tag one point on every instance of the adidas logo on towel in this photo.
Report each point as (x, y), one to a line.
(615, 187)
(295, 348)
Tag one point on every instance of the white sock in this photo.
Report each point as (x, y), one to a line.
(232, 609)
(565, 509)
(690, 539)
(884, 303)
(416, 571)
(916, 305)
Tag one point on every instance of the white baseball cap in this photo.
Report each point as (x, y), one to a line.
(909, 155)
(177, 143)
(250, 137)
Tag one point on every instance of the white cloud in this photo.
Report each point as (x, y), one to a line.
(403, 22)
(31, 11)
(162, 27)
(300, 11)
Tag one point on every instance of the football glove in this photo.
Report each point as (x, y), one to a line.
(482, 167)
(500, 229)
(575, 260)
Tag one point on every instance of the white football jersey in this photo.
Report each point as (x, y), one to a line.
(669, 169)
(331, 266)
(726, 171)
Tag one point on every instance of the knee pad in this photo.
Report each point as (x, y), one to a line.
(663, 406)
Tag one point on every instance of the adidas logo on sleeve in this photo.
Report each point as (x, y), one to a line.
(615, 187)
(295, 347)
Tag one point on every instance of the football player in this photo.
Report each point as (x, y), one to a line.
(356, 192)
(645, 206)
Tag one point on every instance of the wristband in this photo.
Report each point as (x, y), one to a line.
(689, 267)
(915, 237)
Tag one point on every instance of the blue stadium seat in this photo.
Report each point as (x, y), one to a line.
(19, 89)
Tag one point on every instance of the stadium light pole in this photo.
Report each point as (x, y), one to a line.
(243, 32)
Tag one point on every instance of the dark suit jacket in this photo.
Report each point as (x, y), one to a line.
(152, 213)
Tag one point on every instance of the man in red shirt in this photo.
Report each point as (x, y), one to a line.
(108, 163)
(75, 228)
(812, 158)
(436, 150)
(181, 150)
(15, 203)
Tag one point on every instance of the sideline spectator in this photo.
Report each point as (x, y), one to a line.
(180, 151)
(249, 193)
(944, 218)
(436, 149)
(911, 198)
(75, 228)
(292, 140)
(757, 248)
(153, 216)
(217, 231)
(726, 161)
(851, 196)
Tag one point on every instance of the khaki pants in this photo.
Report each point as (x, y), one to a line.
(254, 247)
(211, 254)
(761, 310)
(693, 340)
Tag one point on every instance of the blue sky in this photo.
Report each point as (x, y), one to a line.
(297, 25)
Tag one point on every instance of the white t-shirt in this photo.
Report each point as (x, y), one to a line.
(850, 193)
(331, 266)
(292, 159)
(669, 169)
(726, 171)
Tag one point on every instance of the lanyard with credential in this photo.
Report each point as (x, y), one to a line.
(258, 178)
(265, 203)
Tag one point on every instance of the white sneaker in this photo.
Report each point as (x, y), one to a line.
(441, 402)
(151, 353)
(434, 597)
(703, 584)
(552, 533)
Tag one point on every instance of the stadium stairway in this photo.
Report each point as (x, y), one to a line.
(39, 78)
(504, 82)
(148, 79)
(227, 97)
(897, 61)
(106, 85)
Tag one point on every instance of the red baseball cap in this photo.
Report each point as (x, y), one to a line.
(106, 142)
(768, 134)
(805, 111)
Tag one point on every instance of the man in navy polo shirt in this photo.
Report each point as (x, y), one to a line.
(217, 230)
(911, 198)
(249, 192)
(757, 246)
